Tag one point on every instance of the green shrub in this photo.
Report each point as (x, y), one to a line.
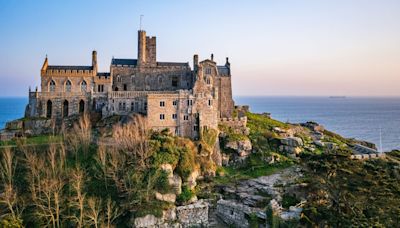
(185, 196)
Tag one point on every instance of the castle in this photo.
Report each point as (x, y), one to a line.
(170, 94)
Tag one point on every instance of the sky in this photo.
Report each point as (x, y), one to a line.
(276, 48)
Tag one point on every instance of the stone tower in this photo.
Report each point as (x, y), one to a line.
(147, 53)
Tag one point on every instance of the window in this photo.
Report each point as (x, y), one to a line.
(122, 106)
(68, 86)
(125, 87)
(174, 116)
(162, 117)
(208, 70)
(132, 106)
(83, 86)
(52, 86)
(133, 78)
(208, 81)
(175, 103)
(189, 102)
(209, 102)
(176, 131)
(185, 117)
(119, 78)
(100, 88)
(175, 81)
(162, 103)
(145, 106)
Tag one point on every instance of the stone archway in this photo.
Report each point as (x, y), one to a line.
(49, 109)
(65, 108)
(81, 106)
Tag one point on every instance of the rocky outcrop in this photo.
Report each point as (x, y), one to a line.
(291, 145)
(234, 213)
(242, 147)
(168, 197)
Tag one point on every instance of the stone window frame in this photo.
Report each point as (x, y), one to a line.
(174, 116)
(119, 79)
(83, 86)
(162, 116)
(210, 102)
(175, 102)
(52, 86)
(186, 117)
(162, 103)
(68, 87)
(208, 70)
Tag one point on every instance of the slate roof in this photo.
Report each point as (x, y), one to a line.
(223, 70)
(128, 62)
(69, 67)
(172, 64)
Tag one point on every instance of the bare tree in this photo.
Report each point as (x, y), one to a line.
(93, 213)
(78, 201)
(9, 197)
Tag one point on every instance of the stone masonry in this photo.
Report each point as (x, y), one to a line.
(170, 94)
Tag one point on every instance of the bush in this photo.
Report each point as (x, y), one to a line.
(186, 195)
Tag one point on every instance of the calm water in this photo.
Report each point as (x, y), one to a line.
(359, 118)
(11, 108)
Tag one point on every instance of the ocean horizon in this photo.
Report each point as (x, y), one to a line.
(373, 119)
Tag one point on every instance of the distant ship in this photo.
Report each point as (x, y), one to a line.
(337, 97)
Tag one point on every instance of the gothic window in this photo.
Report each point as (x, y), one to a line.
(119, 78)
(174, 116)
(162, 117)
(83, 86)
(162, 103)
(208, 80)
(65, 108)
(208, 70)
(52, 86)
(81, 107)
(68, 86)
(49, 109)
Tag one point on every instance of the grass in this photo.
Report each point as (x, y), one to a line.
(36, 140)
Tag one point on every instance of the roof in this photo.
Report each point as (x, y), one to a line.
(172, 64)
(105, 74)
(223, 70)
(69, 67)
(129, 62)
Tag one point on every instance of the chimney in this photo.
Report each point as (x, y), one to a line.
(94, 60)
(212, 57)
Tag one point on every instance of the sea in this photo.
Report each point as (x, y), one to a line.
(374, 119)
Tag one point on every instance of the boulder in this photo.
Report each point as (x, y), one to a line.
(147, 221)
(169, 197)
(292, 141)
(176, 183)
(319, 143)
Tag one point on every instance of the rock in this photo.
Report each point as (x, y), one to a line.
(195, 214)
(292, 141)
(330, 145)
(15, 125)
(319, 143)
(191, 180)
(176, 183)
(169, 214)
(313, 126)
(169, 197)
(279, 130)
(147, 221)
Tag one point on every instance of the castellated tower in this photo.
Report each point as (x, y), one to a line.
(146, 50)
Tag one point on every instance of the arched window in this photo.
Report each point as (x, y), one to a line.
(49, 109)
(81, 106)
(52, 86)
(68, 85)
(133, 78)
(119, 78)
(208, 80)
(83, 86)
(65, 108)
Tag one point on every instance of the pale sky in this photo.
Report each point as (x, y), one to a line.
(276, 48)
